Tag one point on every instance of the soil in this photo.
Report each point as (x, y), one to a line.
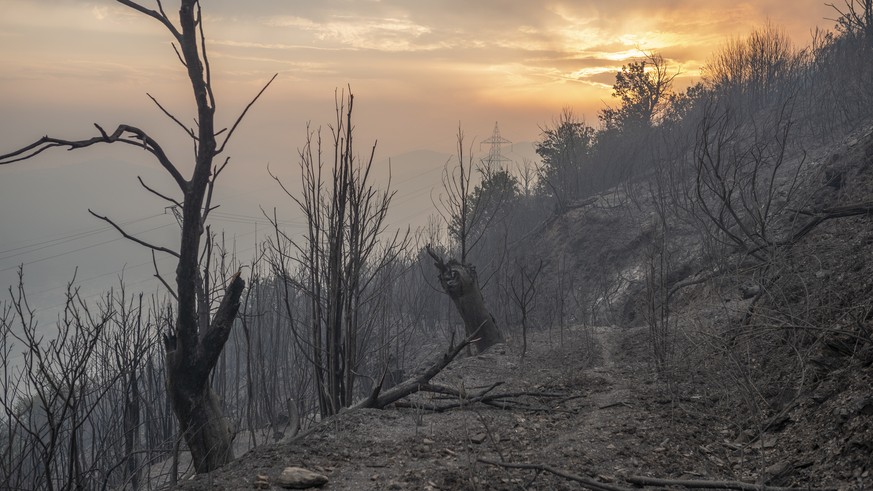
(591, 407)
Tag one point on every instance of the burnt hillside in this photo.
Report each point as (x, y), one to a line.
(754, 371)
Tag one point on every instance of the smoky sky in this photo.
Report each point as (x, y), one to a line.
(418, 70)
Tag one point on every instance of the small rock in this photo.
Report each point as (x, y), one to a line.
(299, 478)
(746, 436)
(775, 471)
(478, 438)
(262, 482)
(427, 441)
(750, 290)
(864, 405)
(768, 441)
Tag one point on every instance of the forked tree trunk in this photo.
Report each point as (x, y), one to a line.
(201, 419)
(461, 283)
(204, 426)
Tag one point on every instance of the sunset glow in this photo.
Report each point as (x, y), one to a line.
(417, 69)
(518, 62)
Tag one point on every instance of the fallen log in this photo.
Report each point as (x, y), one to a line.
(378, 399)
(585, 481)
(460, 399)
(704, 484)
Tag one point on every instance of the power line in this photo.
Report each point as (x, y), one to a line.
(124, 269)
(53, 240)
(81, 248)
(229, 217)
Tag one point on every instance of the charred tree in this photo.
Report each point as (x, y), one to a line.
(461, 284)
(194, 346)
(340, 257)
(523, 287)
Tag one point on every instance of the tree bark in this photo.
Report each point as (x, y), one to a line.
(201, 419)
(204, 427)
(461, 284)
(131, 418)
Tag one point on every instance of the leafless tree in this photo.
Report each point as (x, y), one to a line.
(841, 72)
(462, 210)
(744, 185)
(193, 348)
(50, 393)
(523, 287)
(754, 66)
(527, 177)
(341, 256)
(130, 337)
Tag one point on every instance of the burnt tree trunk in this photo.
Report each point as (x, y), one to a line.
(461, 284)
(194, 345)
(201, 420)
(192, 355)
(131, 418)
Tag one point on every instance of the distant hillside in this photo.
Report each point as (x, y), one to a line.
(778, 346)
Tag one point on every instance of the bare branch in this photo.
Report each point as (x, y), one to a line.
(207, 207)
(439, 262)
(158, 194)
(179, 55)
(222, 166)
(161, 8)
(203, 55)
(243, 114)
(587, 482)
(134, 239)
(415, 384)
(856, 209)
(161, 278)
(159, 15)
(461, 398)
(187, 130)
(136, 137)
(696, 483)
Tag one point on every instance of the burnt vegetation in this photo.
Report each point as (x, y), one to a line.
(724, 228)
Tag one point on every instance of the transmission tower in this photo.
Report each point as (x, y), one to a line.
(495, 160)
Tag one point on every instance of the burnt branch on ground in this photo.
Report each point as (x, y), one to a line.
(459, 398)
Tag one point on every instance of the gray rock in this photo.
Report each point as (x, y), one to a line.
(300, 478)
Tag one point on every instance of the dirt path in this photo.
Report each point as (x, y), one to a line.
(592, 409)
